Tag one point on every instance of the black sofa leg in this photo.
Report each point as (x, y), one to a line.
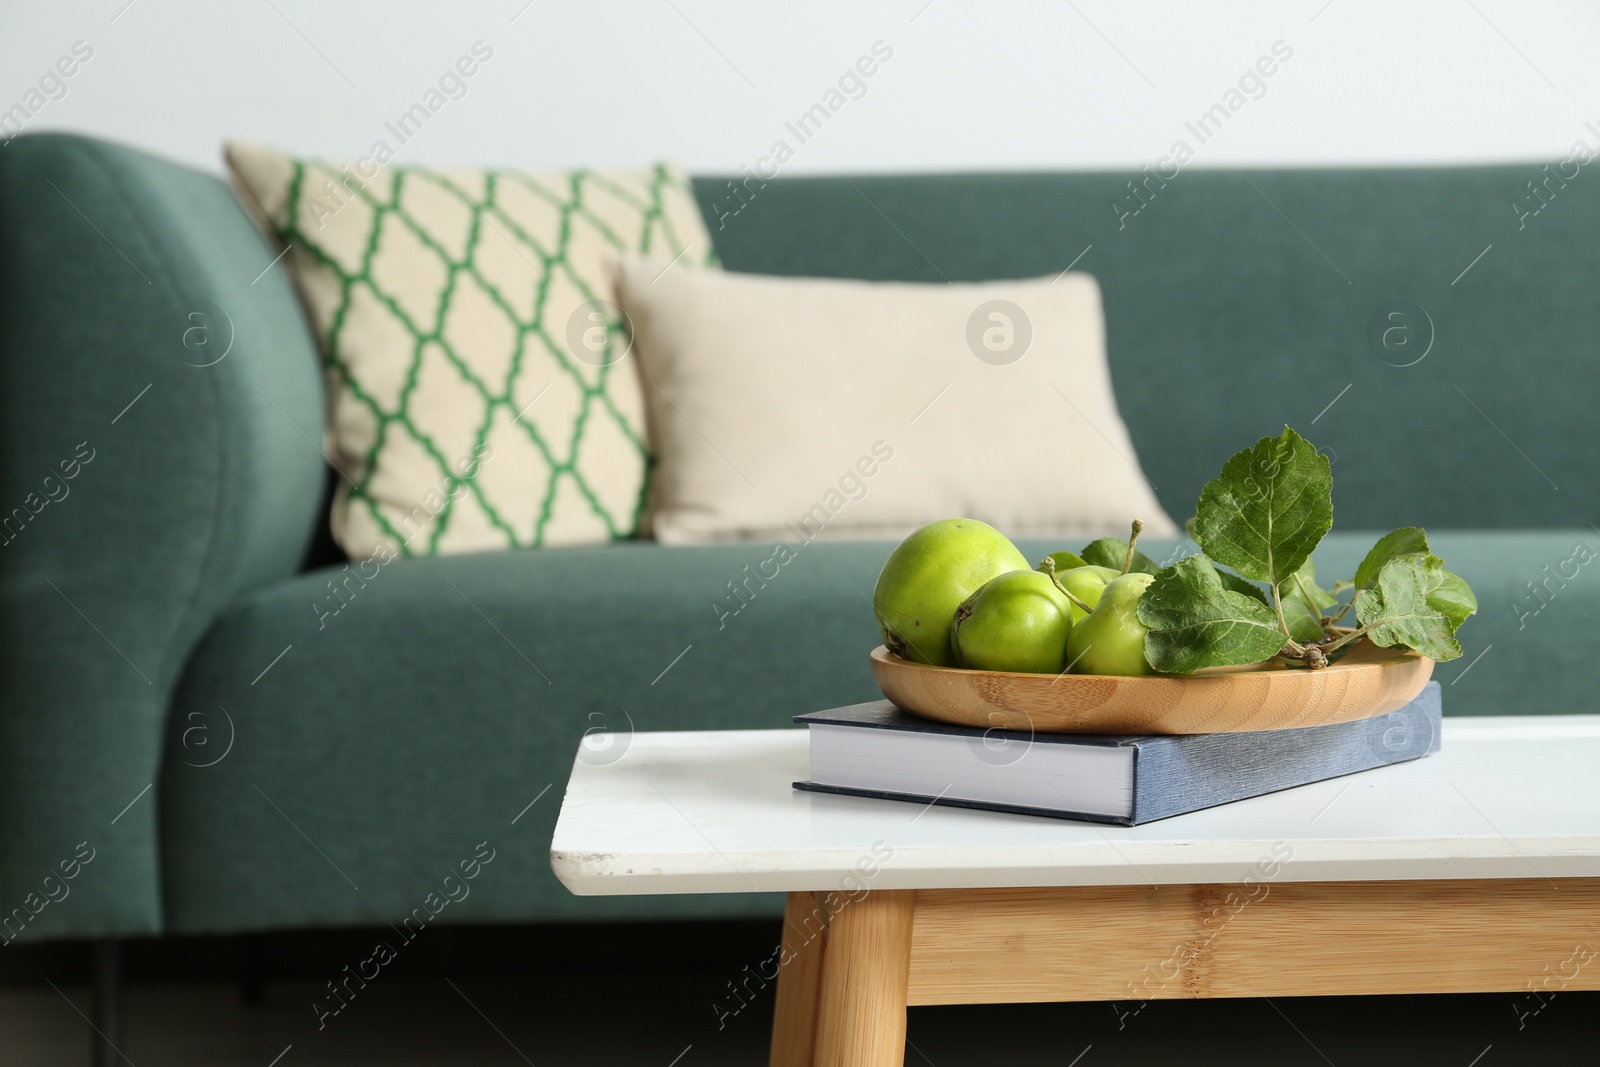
(252, 968)
(106, 1038)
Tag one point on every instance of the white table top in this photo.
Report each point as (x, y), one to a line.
(714, 812)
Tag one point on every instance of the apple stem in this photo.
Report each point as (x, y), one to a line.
(1133, 539)
(1048, 566)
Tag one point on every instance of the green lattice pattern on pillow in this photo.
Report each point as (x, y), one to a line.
(470, 405)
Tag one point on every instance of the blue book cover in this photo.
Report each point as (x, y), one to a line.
(877, 750)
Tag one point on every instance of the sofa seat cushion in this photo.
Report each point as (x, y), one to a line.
(378, 745)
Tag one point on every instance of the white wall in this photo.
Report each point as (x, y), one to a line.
(1019, 84)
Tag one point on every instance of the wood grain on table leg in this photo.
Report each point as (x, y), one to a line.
(865, 972)
(794, 1022)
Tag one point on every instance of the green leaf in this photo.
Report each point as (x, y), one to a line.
(1406, 541)
(1447, 593)
(1188, 528)
(1065, 561)
(1268, 509)
(1232, 581)
(1196, 622)
(1304, 624)
(1395, 611)
(1304, 601)
(1111, 551)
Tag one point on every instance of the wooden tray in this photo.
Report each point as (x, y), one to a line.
(1370, 681)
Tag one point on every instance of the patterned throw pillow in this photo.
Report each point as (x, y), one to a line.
(481, 395)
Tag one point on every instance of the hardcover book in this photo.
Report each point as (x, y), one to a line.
(877, 750)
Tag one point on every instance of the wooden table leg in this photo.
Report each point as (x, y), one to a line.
(865, 973)
(794, 1022)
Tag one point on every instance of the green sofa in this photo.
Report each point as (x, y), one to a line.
(235, 762)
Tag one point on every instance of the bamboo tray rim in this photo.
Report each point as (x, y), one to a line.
(1363, 654)
(1369, 682)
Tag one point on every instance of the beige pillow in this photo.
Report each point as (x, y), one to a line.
(478, 395)
(787, 408)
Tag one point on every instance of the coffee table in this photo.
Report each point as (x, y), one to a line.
(1475, 869)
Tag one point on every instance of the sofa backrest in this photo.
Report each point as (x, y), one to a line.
(1238, 301)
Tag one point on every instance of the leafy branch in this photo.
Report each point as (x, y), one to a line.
(1262, 517)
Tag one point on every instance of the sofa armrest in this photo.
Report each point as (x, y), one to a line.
(142, 491)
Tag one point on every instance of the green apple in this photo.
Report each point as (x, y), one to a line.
(1111, 639)
(927, 577)
(1087, 583)
(1018, 621)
